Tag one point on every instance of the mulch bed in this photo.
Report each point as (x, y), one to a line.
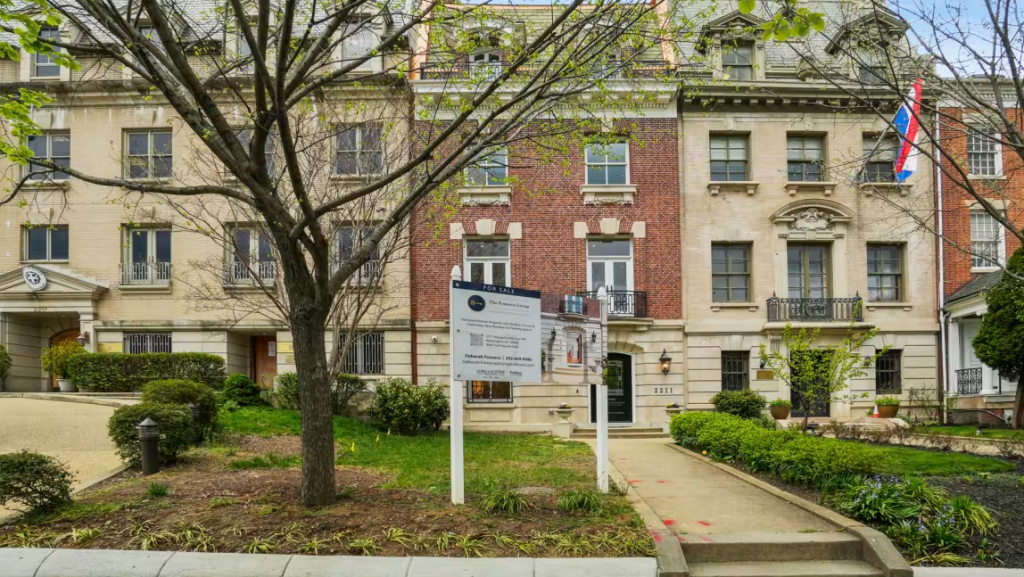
(233, 508)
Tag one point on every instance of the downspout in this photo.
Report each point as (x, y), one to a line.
(941, 289)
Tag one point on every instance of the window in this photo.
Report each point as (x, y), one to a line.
(359, 42)
(728, 158)
(885, 272)
(485, 65)
(359, 151)
(349, 240)
(43, 66)
(871, 74)
(730, 273)
(46, 243)
(489, 392)
(245, 55)
(610, 265)
(269, 148)
(139, 343)
(806, 158)
(149, 32)
(52, 146)
(488, 262)
(879, 159)
(986, 240)
(888, 379)
(149, 154)
(147, 256)
(608, 163)
(735, 370)
(984, 152)
(252, 257)
(574, 348)
(738, 62)
(808, 271)
(364, 354)
(489, 169)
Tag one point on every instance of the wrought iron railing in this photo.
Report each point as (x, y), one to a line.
(573, 305)
(622, 303)
(145, 273)
(251, 273)
(484, 71)
(815, 310)
(968, 381)
(367, 275)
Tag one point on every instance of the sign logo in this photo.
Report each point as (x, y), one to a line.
(476, 303)
(33, 278)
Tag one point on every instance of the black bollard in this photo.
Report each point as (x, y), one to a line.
(149, 442)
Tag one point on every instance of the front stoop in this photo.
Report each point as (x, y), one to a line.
(621, 433)
(763, 554)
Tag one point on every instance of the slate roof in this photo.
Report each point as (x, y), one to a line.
(976, 286)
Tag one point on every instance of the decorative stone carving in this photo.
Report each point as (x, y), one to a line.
(812, 219)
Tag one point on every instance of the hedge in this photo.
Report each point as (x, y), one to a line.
(789, 454)
(121, 372)
(182, 392)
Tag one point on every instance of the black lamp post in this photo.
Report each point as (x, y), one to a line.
(666, 362)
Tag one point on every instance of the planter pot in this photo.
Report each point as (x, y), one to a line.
(779, 413)
(66, 386)
(888, 411)
(673, 411)
(564, 414)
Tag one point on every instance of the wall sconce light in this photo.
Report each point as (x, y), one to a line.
(593, 337)
(553, 333)
(666, 361)
(83, 339)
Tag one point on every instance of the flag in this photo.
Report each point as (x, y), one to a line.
(907, 126)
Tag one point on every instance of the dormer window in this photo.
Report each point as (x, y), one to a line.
(868, 74)
(358, 43)
(738, 61)
(149, 32)
(43, 66)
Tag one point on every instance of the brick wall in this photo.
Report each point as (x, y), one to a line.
(956, 202)
(546, 200)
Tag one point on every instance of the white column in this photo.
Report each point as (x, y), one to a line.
(602, 401)
(455, 403)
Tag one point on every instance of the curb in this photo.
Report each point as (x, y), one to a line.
(70, 398)
(878, 549)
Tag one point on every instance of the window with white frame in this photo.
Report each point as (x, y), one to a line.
(608, 163)
(610, 265)
(488, 261)
(738, 61)
(149, 154)
(485, 64)
(149, 32)
(269, 148)
(986, 240)
(984, 152)
(251, 256)
(43, 65)
(147, 256)
(358, 42)
(359, 150)
(140, 343)
(364, 354)
(489, 169)
(54, 147)
(46, 243)
(349, 239)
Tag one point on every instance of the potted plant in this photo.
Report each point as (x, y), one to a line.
(780, 409)
(887, 407)
(673, 409)
(5, 367)
(564, 411)
(55, 360)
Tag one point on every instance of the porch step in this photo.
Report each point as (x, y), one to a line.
(771, 547)
(786, 569)
(621, 433)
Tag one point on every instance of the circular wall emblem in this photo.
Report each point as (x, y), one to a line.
(476, 303)
(33, 278)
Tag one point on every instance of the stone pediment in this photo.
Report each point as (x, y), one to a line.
(812, 219)
(48, 281)
(734, 21)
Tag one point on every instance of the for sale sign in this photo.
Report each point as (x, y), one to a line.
(496, 333)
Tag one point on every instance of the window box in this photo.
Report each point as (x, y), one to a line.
(485, 195)
(608, 193)
(794, 187)
(747, 186)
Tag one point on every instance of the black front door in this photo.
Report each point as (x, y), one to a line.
(620, 390)
(821, 403)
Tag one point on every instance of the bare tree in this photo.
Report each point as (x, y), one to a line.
(306, 108)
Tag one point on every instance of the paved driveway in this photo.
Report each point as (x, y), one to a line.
(75, 433)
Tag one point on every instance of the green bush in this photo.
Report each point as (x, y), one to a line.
(721, 438)
(176, 430)
(345, 387)
(181, 392)
(286, 389)
(406, 409)
(110, 372)
(813, 461)
(5, 363)
(756, 449)
(242, 390)
(746, 404)
(55, 359)
(34, 480)
(685, 426)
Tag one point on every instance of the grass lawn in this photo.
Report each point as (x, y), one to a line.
(907, 461)
(970, 430)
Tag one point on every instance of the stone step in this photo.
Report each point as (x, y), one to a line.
(627, 434)
(786, 569)
(771, 547)
(593, 430)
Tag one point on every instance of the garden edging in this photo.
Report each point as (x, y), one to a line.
(878, 549)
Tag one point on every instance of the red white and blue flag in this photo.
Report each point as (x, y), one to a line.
(906, 123)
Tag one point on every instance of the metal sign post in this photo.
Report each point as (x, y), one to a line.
(494, 336)
(602, 400)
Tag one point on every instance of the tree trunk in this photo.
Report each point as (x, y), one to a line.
(1018, 405)
(308, 338)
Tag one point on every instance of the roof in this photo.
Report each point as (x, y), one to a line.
(978, 285)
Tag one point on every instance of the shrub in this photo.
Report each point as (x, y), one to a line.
(5, 363)
(746, 404)
(34, 480)
(721, 438)
(181, 392)
(685, 426)
(756, 449)
(286, 389)
(242, 390)
(406, 409)
(55, 359)
(345, 387)
(176, 430)
(814, 461)
(108, 372)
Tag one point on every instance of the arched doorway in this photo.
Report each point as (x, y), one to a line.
(61, 337)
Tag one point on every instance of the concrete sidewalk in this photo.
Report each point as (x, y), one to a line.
(692, 497)
(107, 563)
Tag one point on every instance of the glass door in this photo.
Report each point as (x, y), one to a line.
(610, 265)
(808, 271)
(149, 255)
(487, 262)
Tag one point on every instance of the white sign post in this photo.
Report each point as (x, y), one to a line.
(494, 336)
(602, 403)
